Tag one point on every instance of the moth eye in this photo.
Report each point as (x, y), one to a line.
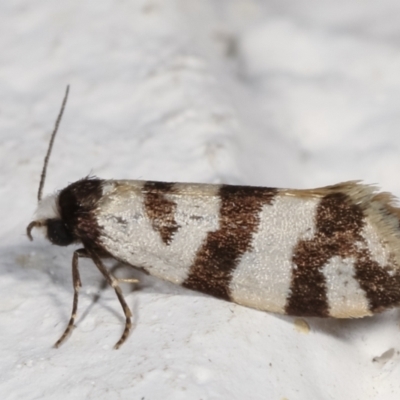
(58, 233)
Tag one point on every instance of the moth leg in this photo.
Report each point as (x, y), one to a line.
(113, 282)
(76, 281)
(128, 280)
(104, 284)
(123, 280)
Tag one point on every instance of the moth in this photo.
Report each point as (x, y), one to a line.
(326, 252)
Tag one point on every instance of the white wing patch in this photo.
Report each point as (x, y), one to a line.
(345, 297)
(127, 232)
(263, 277)
(373, 243)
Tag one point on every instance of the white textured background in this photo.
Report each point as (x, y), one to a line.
(295, 93)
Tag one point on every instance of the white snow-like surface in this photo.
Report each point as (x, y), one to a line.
(295, 93)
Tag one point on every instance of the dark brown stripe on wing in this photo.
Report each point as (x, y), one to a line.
(381, 285)
(338, 225)
(160, 209)
(221, 252)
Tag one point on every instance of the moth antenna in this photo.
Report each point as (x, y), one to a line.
(53, 135)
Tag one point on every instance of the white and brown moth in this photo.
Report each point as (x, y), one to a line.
(326, 252)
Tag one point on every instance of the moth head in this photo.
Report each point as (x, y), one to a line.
(49, 221)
